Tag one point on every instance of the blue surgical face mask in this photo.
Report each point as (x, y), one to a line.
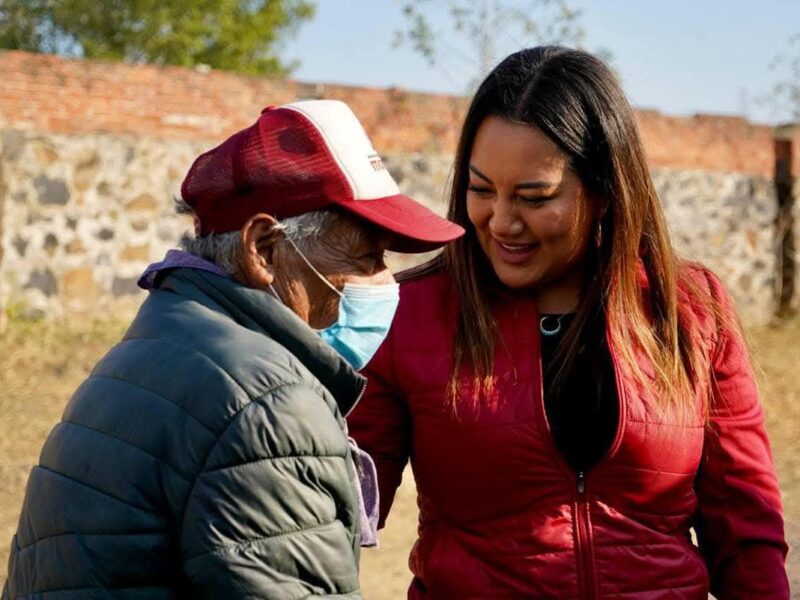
(365, 315)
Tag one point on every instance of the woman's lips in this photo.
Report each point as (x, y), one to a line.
(513, 254)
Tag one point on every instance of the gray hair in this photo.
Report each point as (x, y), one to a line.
(225, 249)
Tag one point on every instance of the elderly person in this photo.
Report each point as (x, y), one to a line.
(206, 456)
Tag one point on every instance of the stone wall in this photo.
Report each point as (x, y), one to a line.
(83, 214)
(727, 222)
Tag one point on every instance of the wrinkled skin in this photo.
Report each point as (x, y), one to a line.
(352, 251)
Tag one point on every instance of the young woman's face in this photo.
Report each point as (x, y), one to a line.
(531, 212)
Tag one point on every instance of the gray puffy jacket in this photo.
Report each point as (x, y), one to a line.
(205, 457)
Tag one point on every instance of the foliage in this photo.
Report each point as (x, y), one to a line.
(485, 30)
(235, 35)
(785, 97)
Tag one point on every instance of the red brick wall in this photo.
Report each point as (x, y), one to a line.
(708, 142)
(58, 95)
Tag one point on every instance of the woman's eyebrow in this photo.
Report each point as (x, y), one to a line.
(527, 185)
(474, 170)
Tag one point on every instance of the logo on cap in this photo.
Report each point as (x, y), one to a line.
(376, 162)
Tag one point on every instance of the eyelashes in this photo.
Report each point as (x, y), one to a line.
(478, 190)
(530, 200)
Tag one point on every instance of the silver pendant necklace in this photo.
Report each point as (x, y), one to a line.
(550, 325)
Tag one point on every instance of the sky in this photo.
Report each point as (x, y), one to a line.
(679, 57)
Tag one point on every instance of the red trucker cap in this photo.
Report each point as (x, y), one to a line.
(301, 157)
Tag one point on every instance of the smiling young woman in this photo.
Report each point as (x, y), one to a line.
(573, 398)
(530, 212)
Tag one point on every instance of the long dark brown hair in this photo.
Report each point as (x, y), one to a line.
(576, 101)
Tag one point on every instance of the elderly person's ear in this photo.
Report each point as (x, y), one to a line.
(258, 236)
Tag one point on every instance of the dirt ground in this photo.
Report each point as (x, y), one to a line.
(42, 364)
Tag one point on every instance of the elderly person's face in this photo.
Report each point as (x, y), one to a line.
(352, 251)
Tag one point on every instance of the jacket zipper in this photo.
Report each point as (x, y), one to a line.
(584, 550)
(358, 398)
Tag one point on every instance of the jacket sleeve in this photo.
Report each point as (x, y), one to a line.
(381, 425)
(740, 524)
(272, 513)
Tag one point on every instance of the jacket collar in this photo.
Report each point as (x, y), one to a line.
(259, 311)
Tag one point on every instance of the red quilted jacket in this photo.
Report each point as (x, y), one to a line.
(502, 515)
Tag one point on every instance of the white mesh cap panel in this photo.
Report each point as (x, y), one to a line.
(350, 147)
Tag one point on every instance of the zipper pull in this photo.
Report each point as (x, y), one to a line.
(581, 482)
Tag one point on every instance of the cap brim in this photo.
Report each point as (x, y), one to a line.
(414, 228)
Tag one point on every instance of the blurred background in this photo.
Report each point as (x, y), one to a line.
(104, 103)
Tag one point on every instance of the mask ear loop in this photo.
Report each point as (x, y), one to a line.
(310, 266)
